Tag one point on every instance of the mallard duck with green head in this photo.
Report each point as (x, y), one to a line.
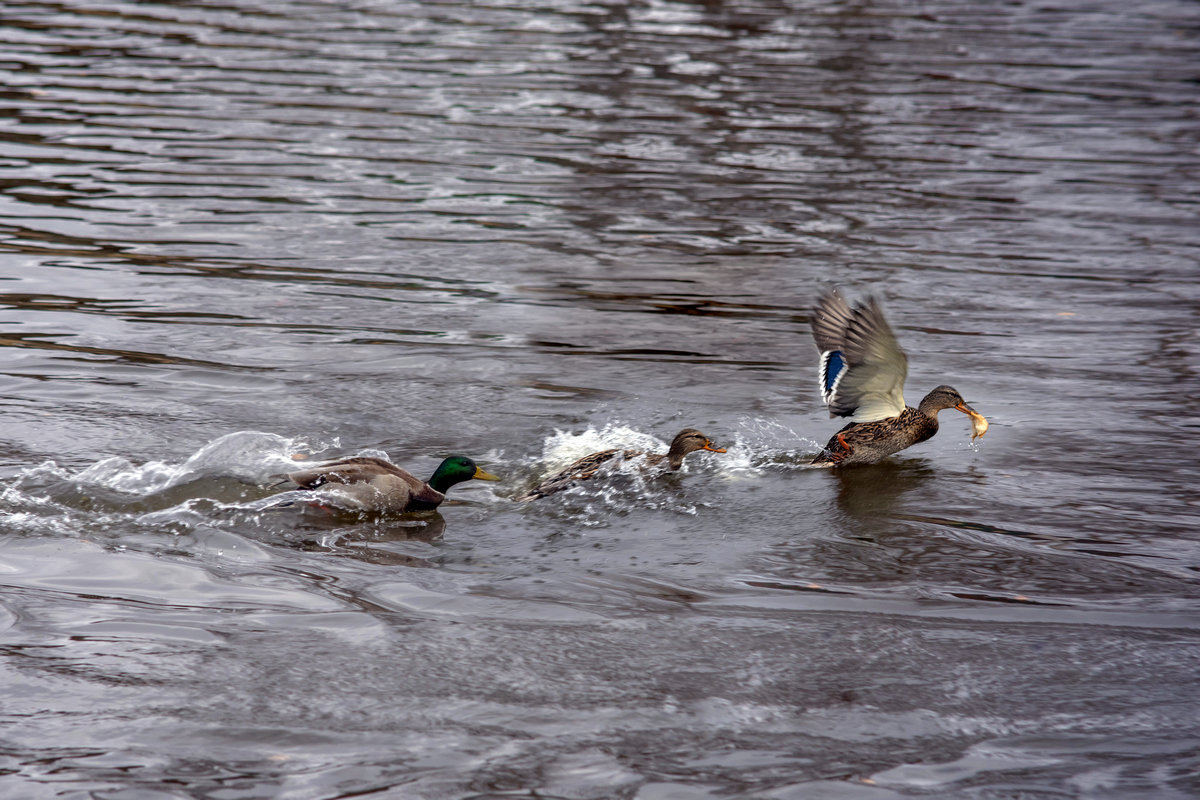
(862, 372)
(365, 483)
(688, 440)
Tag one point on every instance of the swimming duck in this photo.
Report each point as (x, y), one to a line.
(862, 374)
(688, 440)
(372, 484)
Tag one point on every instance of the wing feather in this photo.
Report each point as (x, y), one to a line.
(862, 368)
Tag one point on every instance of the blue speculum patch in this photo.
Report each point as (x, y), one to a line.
(834, 365)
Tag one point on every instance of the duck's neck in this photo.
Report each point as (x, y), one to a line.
(441, 481)
(930, 407)
(931, 404)
(675, 458)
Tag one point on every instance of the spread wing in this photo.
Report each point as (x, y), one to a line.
(862, 367)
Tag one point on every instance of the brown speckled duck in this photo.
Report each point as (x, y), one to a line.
(372, 484)
(688, 440)
(862, 376)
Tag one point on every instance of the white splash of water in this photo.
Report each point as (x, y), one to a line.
(563, 447)
(763, 443)
(247, 456)
(621, 483)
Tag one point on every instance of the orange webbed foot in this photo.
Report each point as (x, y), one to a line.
(842, 451)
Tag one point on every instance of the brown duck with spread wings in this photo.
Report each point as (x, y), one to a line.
(862, 376)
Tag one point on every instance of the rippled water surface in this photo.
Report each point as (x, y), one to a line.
(238, 232)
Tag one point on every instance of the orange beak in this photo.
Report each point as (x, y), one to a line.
(709, 446)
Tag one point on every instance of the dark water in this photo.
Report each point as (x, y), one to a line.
(233, 231)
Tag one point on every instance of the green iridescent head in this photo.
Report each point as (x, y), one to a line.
(457, 469)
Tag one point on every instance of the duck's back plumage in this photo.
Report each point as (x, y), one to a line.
(370, 483)
(868, 442)
(688, 440)
(585, 468)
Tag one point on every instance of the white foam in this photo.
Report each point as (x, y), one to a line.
(620, 483)
(764, 442)
(563, 447)
(248, 456)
